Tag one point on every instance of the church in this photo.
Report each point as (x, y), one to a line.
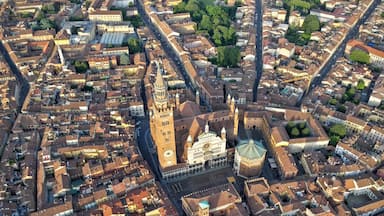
(187, 140)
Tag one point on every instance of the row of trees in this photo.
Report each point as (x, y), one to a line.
(297, 130)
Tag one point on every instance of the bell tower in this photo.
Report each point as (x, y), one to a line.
(162, 123)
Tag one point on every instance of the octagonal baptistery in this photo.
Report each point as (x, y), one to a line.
(249, 159)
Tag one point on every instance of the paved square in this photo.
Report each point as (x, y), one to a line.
(201, 181)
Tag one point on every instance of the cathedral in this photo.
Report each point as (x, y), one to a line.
(187, 140)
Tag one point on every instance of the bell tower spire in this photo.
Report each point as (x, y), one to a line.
(161, 94)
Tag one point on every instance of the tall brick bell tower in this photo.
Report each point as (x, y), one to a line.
(162, 123)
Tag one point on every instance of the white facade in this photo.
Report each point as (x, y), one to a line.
(137, 110)
(376, 60)
(207, 148)
(375, 100)
(209, 151)
(122, 3)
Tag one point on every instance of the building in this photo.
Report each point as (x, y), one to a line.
(162, 123)
(76, 32)
(377, 96)
(376, 57)
(220, 200)
(106, 16)
(249, 159)
(208, 151)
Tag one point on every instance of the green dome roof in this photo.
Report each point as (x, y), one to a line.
(251, 150)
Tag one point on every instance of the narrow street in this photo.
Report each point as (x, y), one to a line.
(173, 57)
(147, 149)
(340, 50)
(259, 45)
(19, 77)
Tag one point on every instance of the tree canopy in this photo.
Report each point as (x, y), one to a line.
(51, 8)
(212, 19)
(341, 108)
(360, 85)
(81, 66)
(228, 56)
(338, 130)
(332, 101)
(333, 140)
(134, 45)
(359, 56)
(290, 125)
(135, 20)
(295, 132)
(305, 132)
(293, 36)
(311, 24)
(124, 59)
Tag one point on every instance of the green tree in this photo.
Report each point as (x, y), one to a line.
(302, 125)
(134, 45)
(338, 130)
(333, 140)
(47, 24)
(332, 101)
(360, 85)
(26, 15)
(136, 21)
(305, 132)
(341, 108)
(311, 24)
(228, 56)
(192, 6)
(179, 8)
(40, 16)
(344, 98)
(381, 107)
(87, 88)
(295, 132)
(205, 23)
(382, 14)
(49, 9)
(81, 66)
(124, 59)
(351, 92)
(229, 36)
(290, 125)
(217, 37)
(359, 56)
